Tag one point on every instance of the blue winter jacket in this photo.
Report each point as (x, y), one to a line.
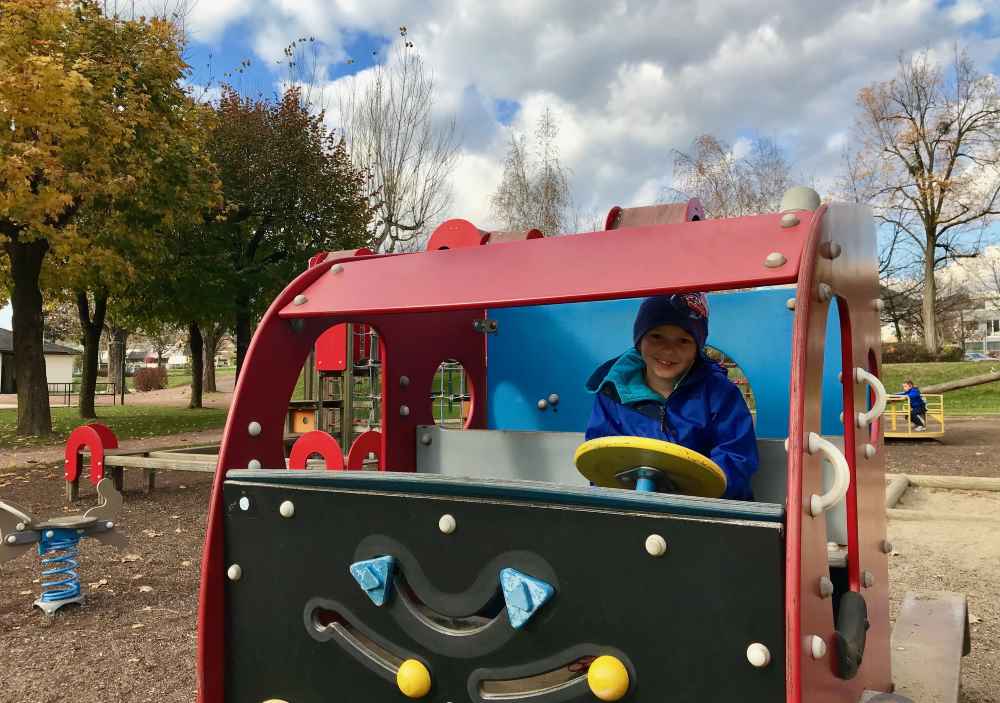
(917, 403)
(705, 412)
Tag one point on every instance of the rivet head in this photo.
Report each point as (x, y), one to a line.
(337, 268)
(553, 398)
(447, 524)
(656, 546)
(287, 508)
(426, 440)
(300, 299)
(542, 404)
(869, 451)
(20, 526)
(825, 587)
(774, 260)
(790, 303)
(234, 572)
(886, 546)
(404, 410)
(49, 534)
(789, 219)
(830, 250)
(254, 464)
(867, 579)
(11, 539)
(244, 503)
(404, 381)
(824, 292)
(109, 525)
(758, 655)
(254, 428)
(816, 646)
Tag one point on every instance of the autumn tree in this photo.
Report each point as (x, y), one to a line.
(93, 109)
(395, 139)
(289, 191)
(730, 183)
(928, 156)
(534, 191)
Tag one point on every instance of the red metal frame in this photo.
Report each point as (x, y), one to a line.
(422, 318)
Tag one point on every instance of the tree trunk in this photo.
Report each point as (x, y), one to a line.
(117, 353)
(212, 337)
(34, 418)
(243, 331)
(990, 377)
(197, 363)
(92, 328)
(930, 296)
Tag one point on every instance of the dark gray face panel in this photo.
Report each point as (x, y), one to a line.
(681, 622)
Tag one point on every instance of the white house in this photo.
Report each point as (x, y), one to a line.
(59, 362)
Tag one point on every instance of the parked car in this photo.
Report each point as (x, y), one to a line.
(976, 356)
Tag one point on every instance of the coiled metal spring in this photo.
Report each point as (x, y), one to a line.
(61, 566)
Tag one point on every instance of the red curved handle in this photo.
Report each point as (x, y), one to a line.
(95, 437)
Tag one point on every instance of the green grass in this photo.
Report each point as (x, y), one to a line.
(978, 400)
(128, 422)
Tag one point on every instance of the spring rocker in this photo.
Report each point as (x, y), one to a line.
(509, 560)
(58, 539)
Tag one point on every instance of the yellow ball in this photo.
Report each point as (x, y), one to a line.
(413, 679)
(608, 678)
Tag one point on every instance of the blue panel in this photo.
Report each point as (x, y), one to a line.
(542, 350)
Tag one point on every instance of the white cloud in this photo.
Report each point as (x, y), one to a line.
(630, 81)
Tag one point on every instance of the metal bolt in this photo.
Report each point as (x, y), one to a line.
(553, 398)
(656, 546)
(254, 428)
(758, 655)
(234, 572)
(287, 508)
(109, 525)
(49, 534)
(404, 410)
(20, 526)
(886, 546)
(254, 464)
(869, 451)
(337, 268)
(790, 303)
(774, 260)
(426, 440)
(11, 539)
(867, 579)
(300, 299)
(824, 292)
(447, 524)
(244, 503)
(789, 219)
(816, 646)
(404, 381)
(543, 404)
(825, 587)
(830, 250)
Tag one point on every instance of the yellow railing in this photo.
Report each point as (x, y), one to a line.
(896, 419)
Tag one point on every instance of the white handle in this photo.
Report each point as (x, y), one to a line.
(841, 475)
(862, 376)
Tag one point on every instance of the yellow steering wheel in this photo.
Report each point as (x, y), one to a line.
(649, 465)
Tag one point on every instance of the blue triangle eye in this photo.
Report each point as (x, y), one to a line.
(375, 577)
(524, 595)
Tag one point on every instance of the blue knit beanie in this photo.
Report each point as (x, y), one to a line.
(689, 311)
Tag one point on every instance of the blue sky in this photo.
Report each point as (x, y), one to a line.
(629, 81)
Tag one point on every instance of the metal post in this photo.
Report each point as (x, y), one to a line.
(121, 390)
(347, 394)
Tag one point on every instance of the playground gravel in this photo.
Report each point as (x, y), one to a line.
(135, 639)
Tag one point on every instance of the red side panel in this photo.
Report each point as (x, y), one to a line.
(331, 349)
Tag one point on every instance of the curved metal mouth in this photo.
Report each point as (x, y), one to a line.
(450, 625)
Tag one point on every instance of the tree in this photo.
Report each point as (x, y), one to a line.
(90, 100)
(394, 138)
(929, 158)
(534, 191)
(732, 185)
(289, 190)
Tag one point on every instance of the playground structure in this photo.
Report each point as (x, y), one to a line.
(897, 418)
(57, 539)
(479, 564)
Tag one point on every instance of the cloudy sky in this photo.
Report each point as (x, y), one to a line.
(629, 80)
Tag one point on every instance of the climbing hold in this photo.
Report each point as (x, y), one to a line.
(413, 679)
(523, 594)
(375, 577)
(608, 678)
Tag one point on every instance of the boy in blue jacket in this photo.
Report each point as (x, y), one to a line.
(666, 388)
(918, 408)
